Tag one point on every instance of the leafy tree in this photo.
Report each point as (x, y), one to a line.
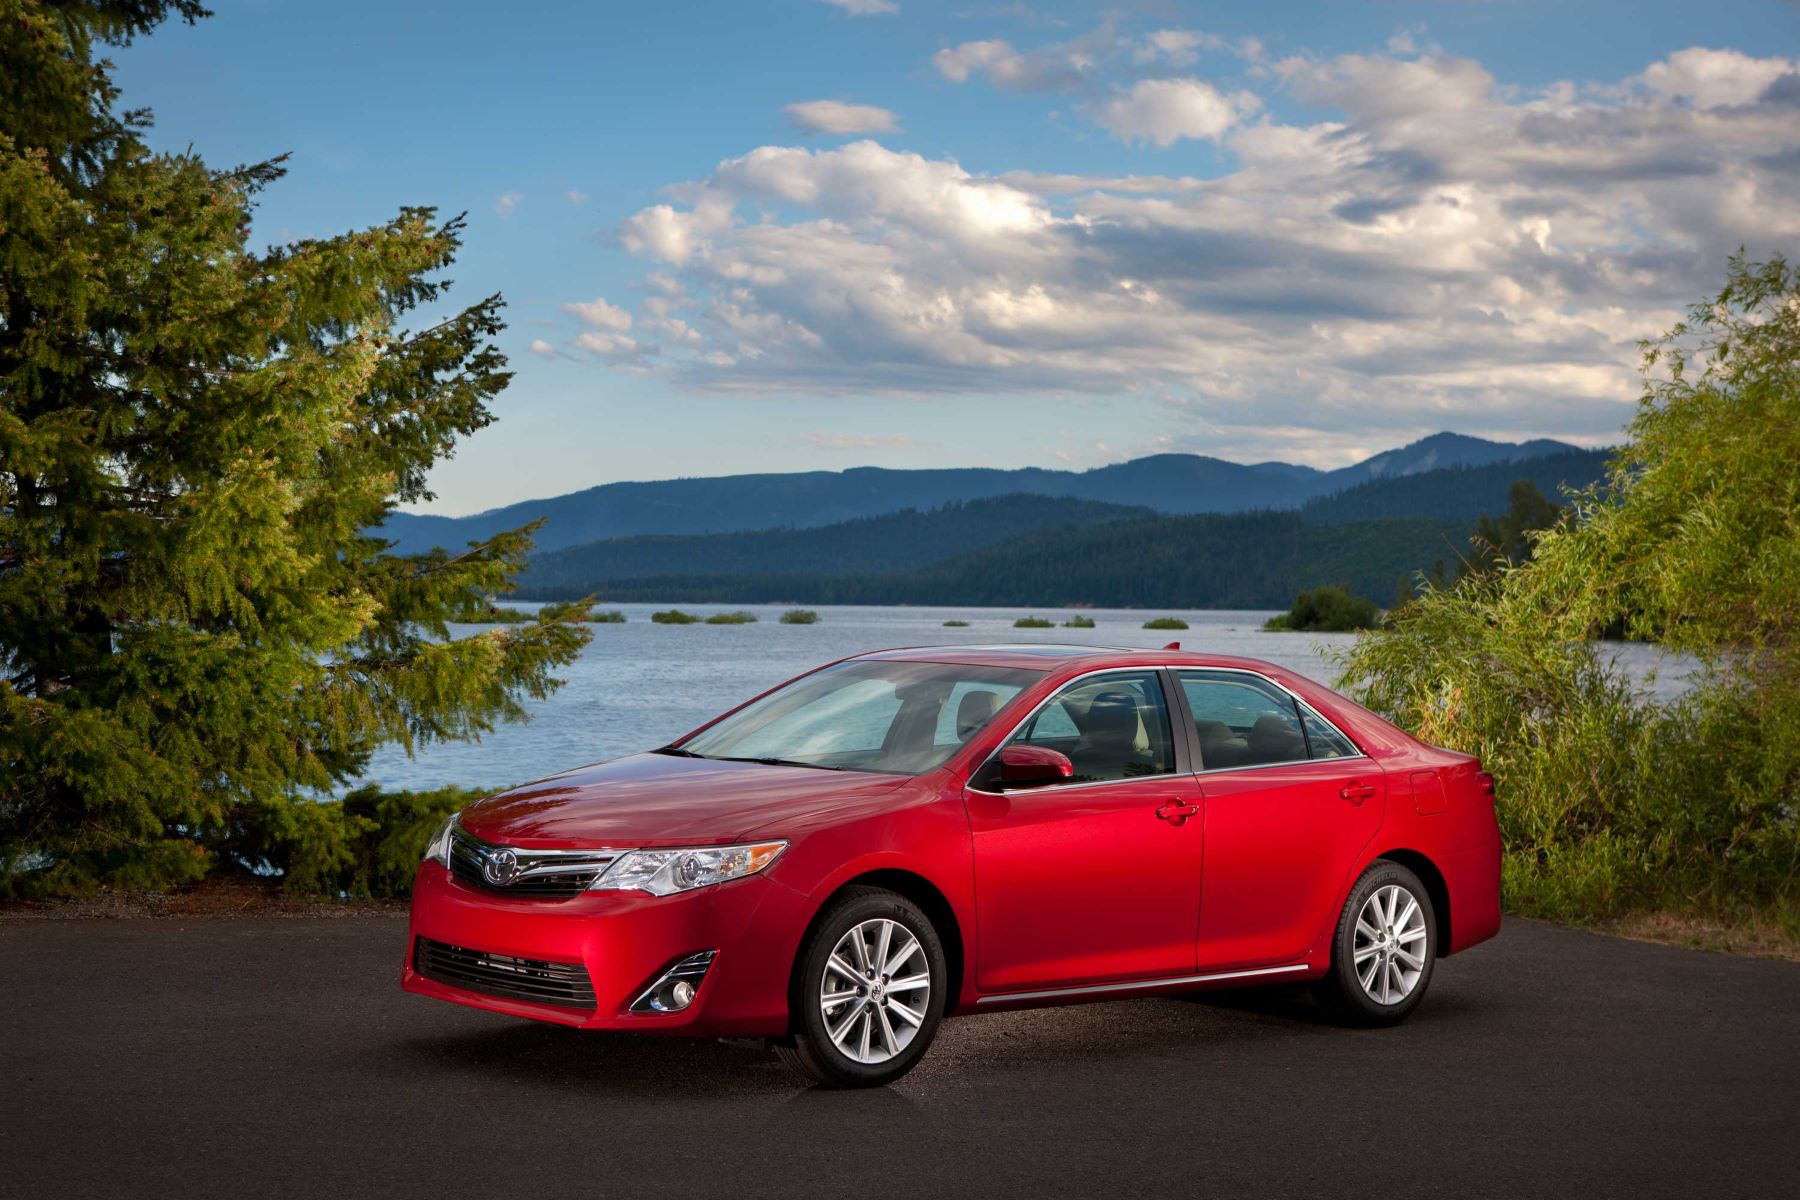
(1327, 609)
(1609, 800)
(1508, 539)
(196, 637)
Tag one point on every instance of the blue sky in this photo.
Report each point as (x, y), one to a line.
(813, 234)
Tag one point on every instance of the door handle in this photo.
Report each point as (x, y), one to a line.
(1176, 811)
(1356, 793)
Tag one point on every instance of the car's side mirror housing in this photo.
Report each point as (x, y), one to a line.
(1031, 766)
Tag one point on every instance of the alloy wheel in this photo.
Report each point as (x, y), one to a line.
(875, 991)
(1390, 945)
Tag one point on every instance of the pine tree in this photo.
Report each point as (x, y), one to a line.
(197, 635)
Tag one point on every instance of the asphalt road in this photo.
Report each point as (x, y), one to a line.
(150, 1058)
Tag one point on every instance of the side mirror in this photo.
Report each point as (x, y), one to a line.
(1025, 766)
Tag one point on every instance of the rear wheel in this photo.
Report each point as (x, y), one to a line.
(869, 993)
(1384, 949)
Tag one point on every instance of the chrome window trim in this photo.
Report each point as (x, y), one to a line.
(1044, 703)
(1100, 988)
(1291, 694)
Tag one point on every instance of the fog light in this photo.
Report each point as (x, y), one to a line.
(676, 987)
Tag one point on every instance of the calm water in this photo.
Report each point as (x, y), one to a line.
(639, 685)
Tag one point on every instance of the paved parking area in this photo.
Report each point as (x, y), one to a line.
(270, 1057)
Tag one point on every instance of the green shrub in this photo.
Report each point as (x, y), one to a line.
(674, 616)
(1611, 803)
(1033, 623)
(1079, 623)
(367, 844)
(732, 618)
(956, 624)
(1327, 609)
(799, 616)
(610, 616)
(1165, 623)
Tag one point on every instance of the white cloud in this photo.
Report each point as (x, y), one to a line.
(598, 314)
(540, 346)
(505, 203)
(835, 116)
(865, 8)
(1716, 78)
(1166, 110)
(1427, 248)
(575, 197)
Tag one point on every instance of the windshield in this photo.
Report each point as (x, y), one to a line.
(898, 717)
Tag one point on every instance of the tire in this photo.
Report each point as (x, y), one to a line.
(1385, 986)
(875, 1041)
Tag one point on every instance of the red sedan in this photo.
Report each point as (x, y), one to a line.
(902, 836)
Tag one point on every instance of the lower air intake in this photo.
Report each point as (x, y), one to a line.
(565, 985)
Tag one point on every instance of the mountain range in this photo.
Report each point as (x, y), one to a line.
(1167, 483)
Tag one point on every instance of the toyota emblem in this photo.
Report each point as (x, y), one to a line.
(500, 868)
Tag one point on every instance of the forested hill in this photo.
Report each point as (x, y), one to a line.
(1169, 483)
(958, 552)
(1233, 560)
(872, 545)
(1464, 492)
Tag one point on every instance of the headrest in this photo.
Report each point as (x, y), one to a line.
(1111, 719)
(1275, 736)
(1211, 733)
(975, 710)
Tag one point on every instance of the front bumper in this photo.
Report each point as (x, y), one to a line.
(625, 940)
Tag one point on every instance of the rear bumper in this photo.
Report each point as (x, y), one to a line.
(624, 940)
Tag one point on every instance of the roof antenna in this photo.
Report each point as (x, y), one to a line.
(1173, 646)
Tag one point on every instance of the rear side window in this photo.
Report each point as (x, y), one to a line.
(1325, 741)
(1246, 721)
(1242, 721)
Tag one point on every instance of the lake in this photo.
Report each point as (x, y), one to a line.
(640, 685)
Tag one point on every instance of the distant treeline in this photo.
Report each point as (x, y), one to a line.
(1240, 560)
(1456, 492)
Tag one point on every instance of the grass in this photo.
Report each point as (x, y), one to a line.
(956, 624)
(674, 616)
(732, 618)
(1033, 623)
(799, 616)
(1165, 623)
(1079, 623)
(611, 616)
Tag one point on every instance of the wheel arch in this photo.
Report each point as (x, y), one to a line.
(922, 892)
(1435, 888)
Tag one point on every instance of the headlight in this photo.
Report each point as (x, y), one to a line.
(438, 849)
(665, 872)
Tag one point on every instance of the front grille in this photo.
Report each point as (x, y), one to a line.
(565, 985)
(539, 874)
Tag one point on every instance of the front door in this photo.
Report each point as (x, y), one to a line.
(1290, 803)
(1097, 879)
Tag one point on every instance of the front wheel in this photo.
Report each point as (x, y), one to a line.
(869, 993)
(1384, 949)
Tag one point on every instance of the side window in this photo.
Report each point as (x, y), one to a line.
(1111, 727)
(1325, 741)
(1242, 722)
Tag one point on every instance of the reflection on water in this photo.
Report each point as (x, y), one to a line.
(640, 685)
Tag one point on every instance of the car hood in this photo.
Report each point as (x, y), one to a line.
(665, 800)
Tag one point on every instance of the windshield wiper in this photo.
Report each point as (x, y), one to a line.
(786, 762)
(678, 752)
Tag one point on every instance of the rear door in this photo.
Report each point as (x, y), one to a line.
(1097, 879)
(1290, 802)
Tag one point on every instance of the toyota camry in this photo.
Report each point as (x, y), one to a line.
(844, 861)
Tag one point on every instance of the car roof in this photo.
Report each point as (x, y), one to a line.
(1054, 656)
